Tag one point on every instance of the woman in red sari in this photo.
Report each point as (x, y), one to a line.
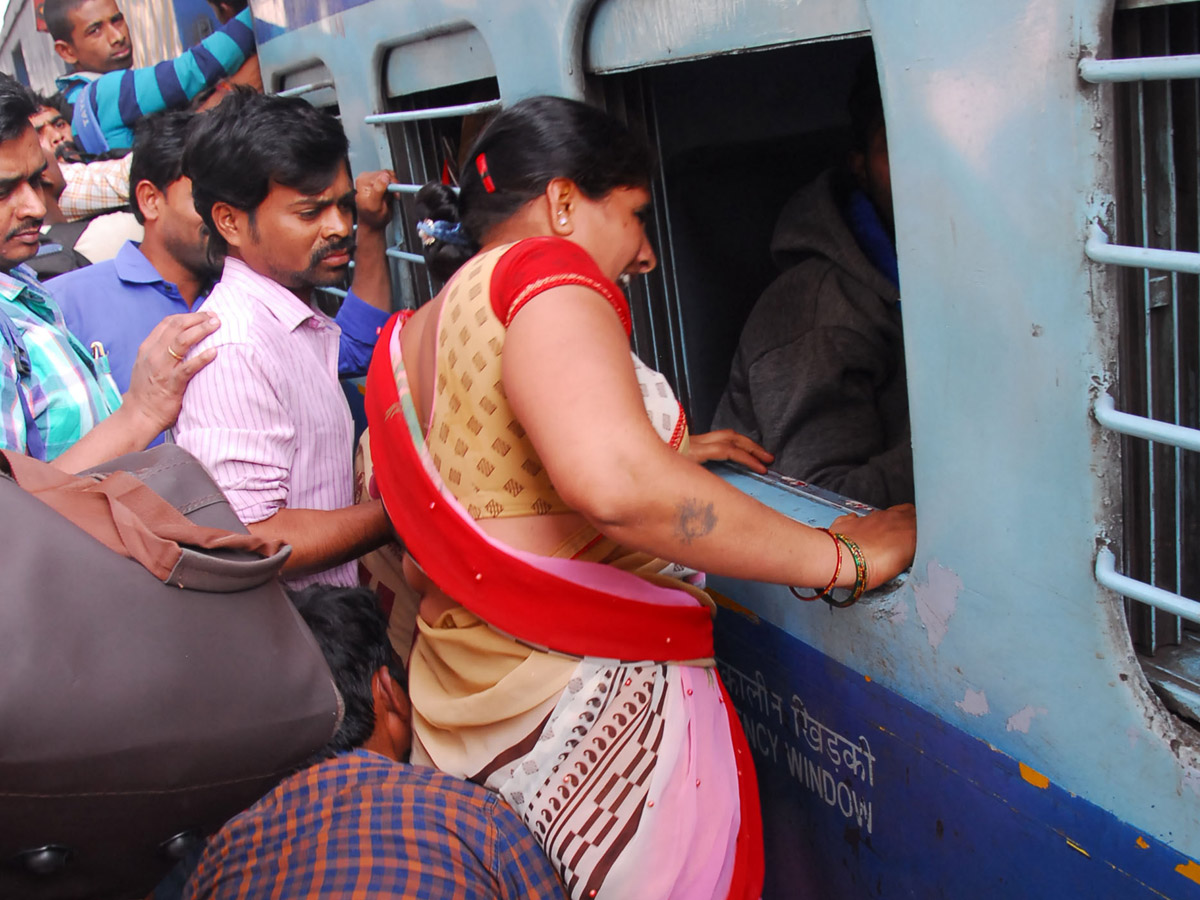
(544, 484)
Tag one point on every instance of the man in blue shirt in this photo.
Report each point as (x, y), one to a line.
(118, 302)
(107, 94)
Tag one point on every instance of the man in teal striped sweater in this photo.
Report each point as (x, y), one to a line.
(107, 94)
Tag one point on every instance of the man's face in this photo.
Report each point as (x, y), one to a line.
(180, 229)
(874, 174)
(52, 129)
(99, 38)
(22, 198)
(302, 240)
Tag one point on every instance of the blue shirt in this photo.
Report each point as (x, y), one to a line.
(119, 301)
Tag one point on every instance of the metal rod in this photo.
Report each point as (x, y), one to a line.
(396, 188)
(305, 89)
(1100, 250)
(436, 112)
(1146, 68)
(1176, 604)
(1107, 415)
(337, 292)
(397, 253)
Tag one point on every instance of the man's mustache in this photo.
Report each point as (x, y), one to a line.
(23, 226)
(342, 245)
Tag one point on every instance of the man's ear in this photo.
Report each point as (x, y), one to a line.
(147, 197)
(231, 224)
(397, 719)
(66, 50)
(856, 163)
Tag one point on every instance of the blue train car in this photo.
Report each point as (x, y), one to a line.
(1015, 717)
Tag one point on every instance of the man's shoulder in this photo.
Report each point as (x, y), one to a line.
(66, 285)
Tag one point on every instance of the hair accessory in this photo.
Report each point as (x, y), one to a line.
(860, 574)
(430, 230)
(837, 570)
(482, 166)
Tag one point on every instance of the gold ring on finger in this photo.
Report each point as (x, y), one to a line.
(171, 350)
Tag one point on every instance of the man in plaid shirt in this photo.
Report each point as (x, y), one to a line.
(360, 823)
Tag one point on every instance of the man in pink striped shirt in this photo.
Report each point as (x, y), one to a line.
(271, 179)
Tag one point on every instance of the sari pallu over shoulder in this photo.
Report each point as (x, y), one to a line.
(599, 612)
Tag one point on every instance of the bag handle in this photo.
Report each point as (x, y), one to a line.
(129, 518)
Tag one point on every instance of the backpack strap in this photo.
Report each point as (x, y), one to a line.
(34, 445)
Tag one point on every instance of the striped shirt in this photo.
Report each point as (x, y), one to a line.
(94, 187)
(107, 106)
(363, 825)
(268, 417)
(67, 392)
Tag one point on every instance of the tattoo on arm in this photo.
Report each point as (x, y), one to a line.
(695, 520)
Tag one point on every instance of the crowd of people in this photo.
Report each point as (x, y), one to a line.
(554, 725)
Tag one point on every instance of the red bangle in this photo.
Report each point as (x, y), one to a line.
(824, 595)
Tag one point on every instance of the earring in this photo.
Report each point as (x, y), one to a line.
(562, 218)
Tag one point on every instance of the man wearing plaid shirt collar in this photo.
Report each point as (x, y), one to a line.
(57, 401)
(360, 823)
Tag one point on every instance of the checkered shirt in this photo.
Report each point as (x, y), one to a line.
(94, 187)
(362, 825)
(67, 392)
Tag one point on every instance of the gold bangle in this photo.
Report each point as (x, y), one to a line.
(824, 595)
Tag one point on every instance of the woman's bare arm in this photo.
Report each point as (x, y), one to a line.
(569, 380)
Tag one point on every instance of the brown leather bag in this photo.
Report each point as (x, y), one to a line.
(156, 680)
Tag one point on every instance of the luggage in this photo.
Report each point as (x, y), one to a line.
(139, 711)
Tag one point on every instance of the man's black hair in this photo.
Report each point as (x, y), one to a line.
(865, 104)
(236, 6)
(55, 101)
(57, 16)
(237, 150)
(16, 106)
(158, 144)
(352, 633)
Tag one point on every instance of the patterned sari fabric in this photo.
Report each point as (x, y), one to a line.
(559, 684)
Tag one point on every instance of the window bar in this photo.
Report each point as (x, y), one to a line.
(1155, 597)
(401, 188)
(1177, 453)
(1146, 68)
(337, 292)
(1106, 413)
(1100, 250)
(397, 253)
(437, 112)
(1148, 362)
(302, 89)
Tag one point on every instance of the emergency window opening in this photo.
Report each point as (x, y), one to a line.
(1158, 205)
(430, 150)
(737, 139)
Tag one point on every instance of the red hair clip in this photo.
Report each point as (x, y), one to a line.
(481, 165)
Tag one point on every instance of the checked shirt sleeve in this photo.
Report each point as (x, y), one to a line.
(94, 187)
(119, 99)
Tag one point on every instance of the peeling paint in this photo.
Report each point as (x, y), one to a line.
(937, 598)
(974, 703)
(1022, 718)
(1033, 776)
(1141, 842)
(1191, 779)
(1189, 870)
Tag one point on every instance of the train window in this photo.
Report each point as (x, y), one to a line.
(440, 93)
(735, 137)
(1158, 206)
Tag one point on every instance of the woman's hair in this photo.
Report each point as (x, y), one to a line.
(519, 152)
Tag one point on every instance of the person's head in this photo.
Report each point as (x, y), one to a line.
(91, 35)
(352, 634)
(557, 166)
(868, 160)
(22, 176)
(271, 180)
(160, 195)
(225, 10)
(51, 126)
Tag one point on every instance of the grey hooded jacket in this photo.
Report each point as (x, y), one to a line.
(818, 378)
